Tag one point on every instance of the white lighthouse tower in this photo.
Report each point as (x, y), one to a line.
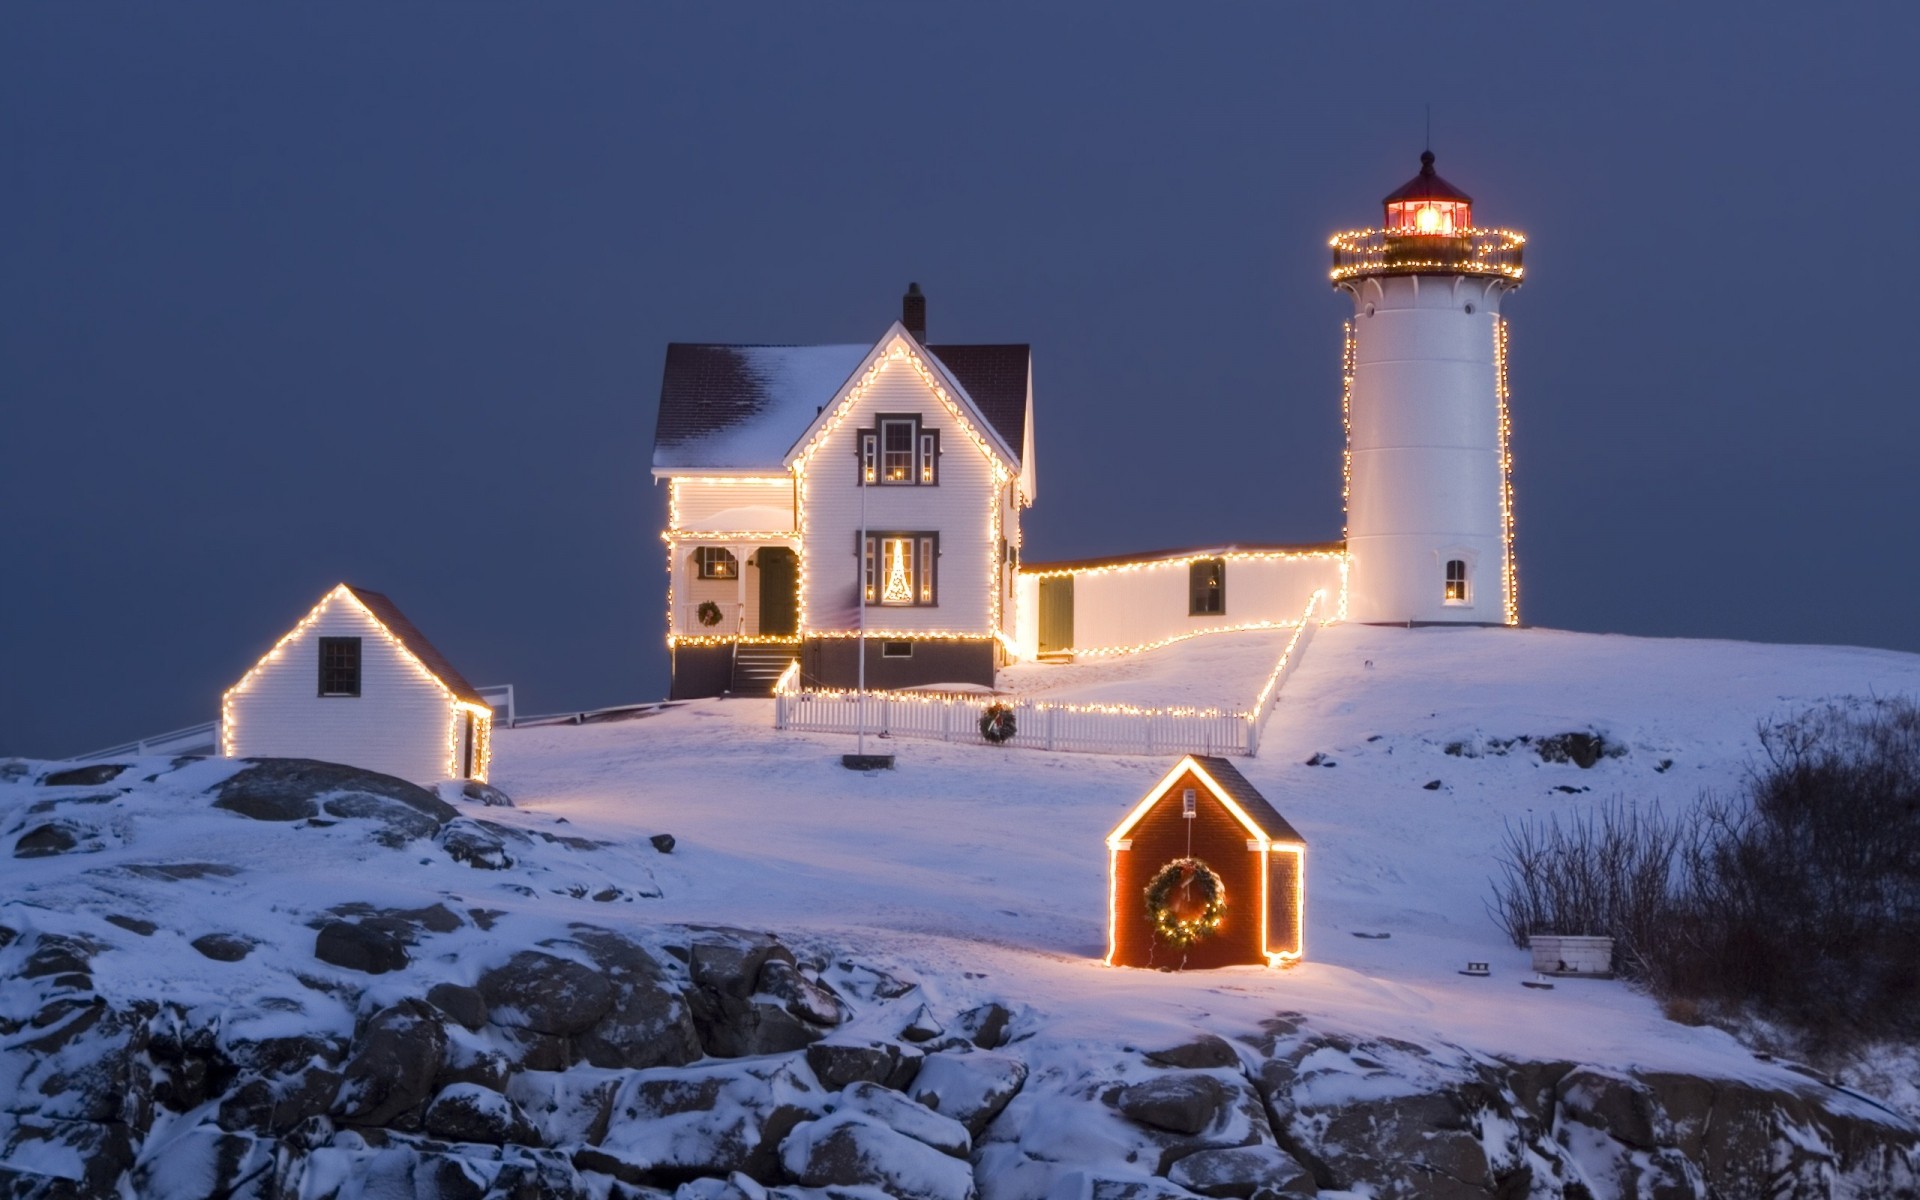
(1429, 490)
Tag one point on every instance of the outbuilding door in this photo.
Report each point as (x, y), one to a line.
(1056, 614)
(779, 576)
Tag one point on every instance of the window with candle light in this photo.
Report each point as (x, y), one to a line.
(898, 569)
(898, 451)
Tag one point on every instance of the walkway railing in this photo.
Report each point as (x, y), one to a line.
(1041, 724)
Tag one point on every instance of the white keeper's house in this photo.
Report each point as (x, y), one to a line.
(355, 682)
(778, 457)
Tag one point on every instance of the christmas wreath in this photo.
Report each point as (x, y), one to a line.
(709, 613)
(1186, 902)
(996, 724)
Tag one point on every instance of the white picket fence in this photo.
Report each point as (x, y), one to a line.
(1104, 729)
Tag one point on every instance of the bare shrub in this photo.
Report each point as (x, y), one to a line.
(1797, 902)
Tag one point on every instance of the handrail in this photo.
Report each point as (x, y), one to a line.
(192, 735)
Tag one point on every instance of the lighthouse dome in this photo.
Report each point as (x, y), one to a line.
(1428, 205)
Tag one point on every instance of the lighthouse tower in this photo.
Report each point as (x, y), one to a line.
(1428, 478)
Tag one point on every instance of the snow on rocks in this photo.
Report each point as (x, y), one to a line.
(852, 1149)
(971, 1088)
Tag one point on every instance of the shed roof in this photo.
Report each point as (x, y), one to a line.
(388, 613)
(1230, 785)
(744, 406)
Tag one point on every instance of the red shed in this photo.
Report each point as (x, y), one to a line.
(1236, 851)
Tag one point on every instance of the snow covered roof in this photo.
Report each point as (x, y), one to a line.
(388, 613)
(733, 407)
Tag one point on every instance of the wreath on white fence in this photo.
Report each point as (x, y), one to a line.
(709, 613)
(1186, 902)
(997, 723)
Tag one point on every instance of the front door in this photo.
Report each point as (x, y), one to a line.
(1056, 614)
(779, 604)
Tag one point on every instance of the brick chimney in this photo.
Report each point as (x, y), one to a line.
(913, 313)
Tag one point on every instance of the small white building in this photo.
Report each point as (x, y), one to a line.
(355, 683)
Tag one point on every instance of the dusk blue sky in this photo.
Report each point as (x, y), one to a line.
(297, 294)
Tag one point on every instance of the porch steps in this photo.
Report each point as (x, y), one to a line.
(756, 668)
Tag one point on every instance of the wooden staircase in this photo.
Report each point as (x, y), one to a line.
(758, 666)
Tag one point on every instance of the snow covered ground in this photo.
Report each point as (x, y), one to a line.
(981, 870)
(1222, 670)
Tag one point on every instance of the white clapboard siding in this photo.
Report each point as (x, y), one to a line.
(690, 591)
(401, 723)
(1126, 609)
(958, 507)
(733, 506)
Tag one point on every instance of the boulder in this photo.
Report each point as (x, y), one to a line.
(1241, 1171)
(670, 1124)
(135, 925)
(970, 1088)
(55, 837)
(570, 1108)
(390, 1076)
(1204, 1053)
(399, 822)
(546, 994)
(467, 1112)
(802, 997)
(465, 1005)
(663, 842)
(223, 947)
(91, 775)
(839, 1063)
(1187, 1103)
(485, 794)
(288, 789)
(479, 845)
(922, 1026)
(649, 1023)
(904, 1116)
(359, 948)
(206, 1161)
(849, 1149)
(986, 1025)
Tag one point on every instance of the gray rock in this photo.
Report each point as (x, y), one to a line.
(206, 1161)
(473, 1058)
(390, 1076)
(359, 948)
(399, 822)
(223, 947)
(278, 1106)
(1184, 1103)
(923, 1026)
(55, 837)
(732, 1017)
(970, 1088)
(131, 924)
(465, 1005)
(1616, 1104)
(1205, 1052)
(485, 794)
(810, 1001)
(904, 1116)
(288, 789)
(986, 1026)
(838, 1064)
(663, 842)
(1241, 1171)
(91, 775)
(849, 1149)
(477, 845)
(649, 1023)
(467, 1112)
(546, 994)
(92, 1157)
(674, 1123)
(570, 1108)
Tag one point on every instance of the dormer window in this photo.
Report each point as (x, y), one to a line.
(897, 451)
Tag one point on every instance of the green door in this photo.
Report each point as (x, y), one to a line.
(779, 575)
(1056, 614)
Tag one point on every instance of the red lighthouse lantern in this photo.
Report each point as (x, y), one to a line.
(1428, 206)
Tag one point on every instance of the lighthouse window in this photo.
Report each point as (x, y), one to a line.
(1456, 592)
(1207, 587)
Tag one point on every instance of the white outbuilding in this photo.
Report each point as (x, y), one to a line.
(355, 683)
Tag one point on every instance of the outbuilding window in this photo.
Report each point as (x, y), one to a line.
(716, 562)
(1456, 587)
(339, 666)
(898, 569)
(1207, 587)
(898, 452)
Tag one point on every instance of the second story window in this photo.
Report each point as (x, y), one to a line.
(897, 451)
(716, 562)
(1207, 587)
(339, 666)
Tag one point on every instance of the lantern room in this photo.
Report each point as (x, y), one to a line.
(1428, 206)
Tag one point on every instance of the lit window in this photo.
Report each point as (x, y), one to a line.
(898, 569)
(1207, 587)
(716, 562)
(339, 666)
(1456, 590)
(898, 451)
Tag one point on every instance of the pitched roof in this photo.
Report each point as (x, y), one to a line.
(388, 613)
(1427, 185)
(1248, 798)
(744, 406)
